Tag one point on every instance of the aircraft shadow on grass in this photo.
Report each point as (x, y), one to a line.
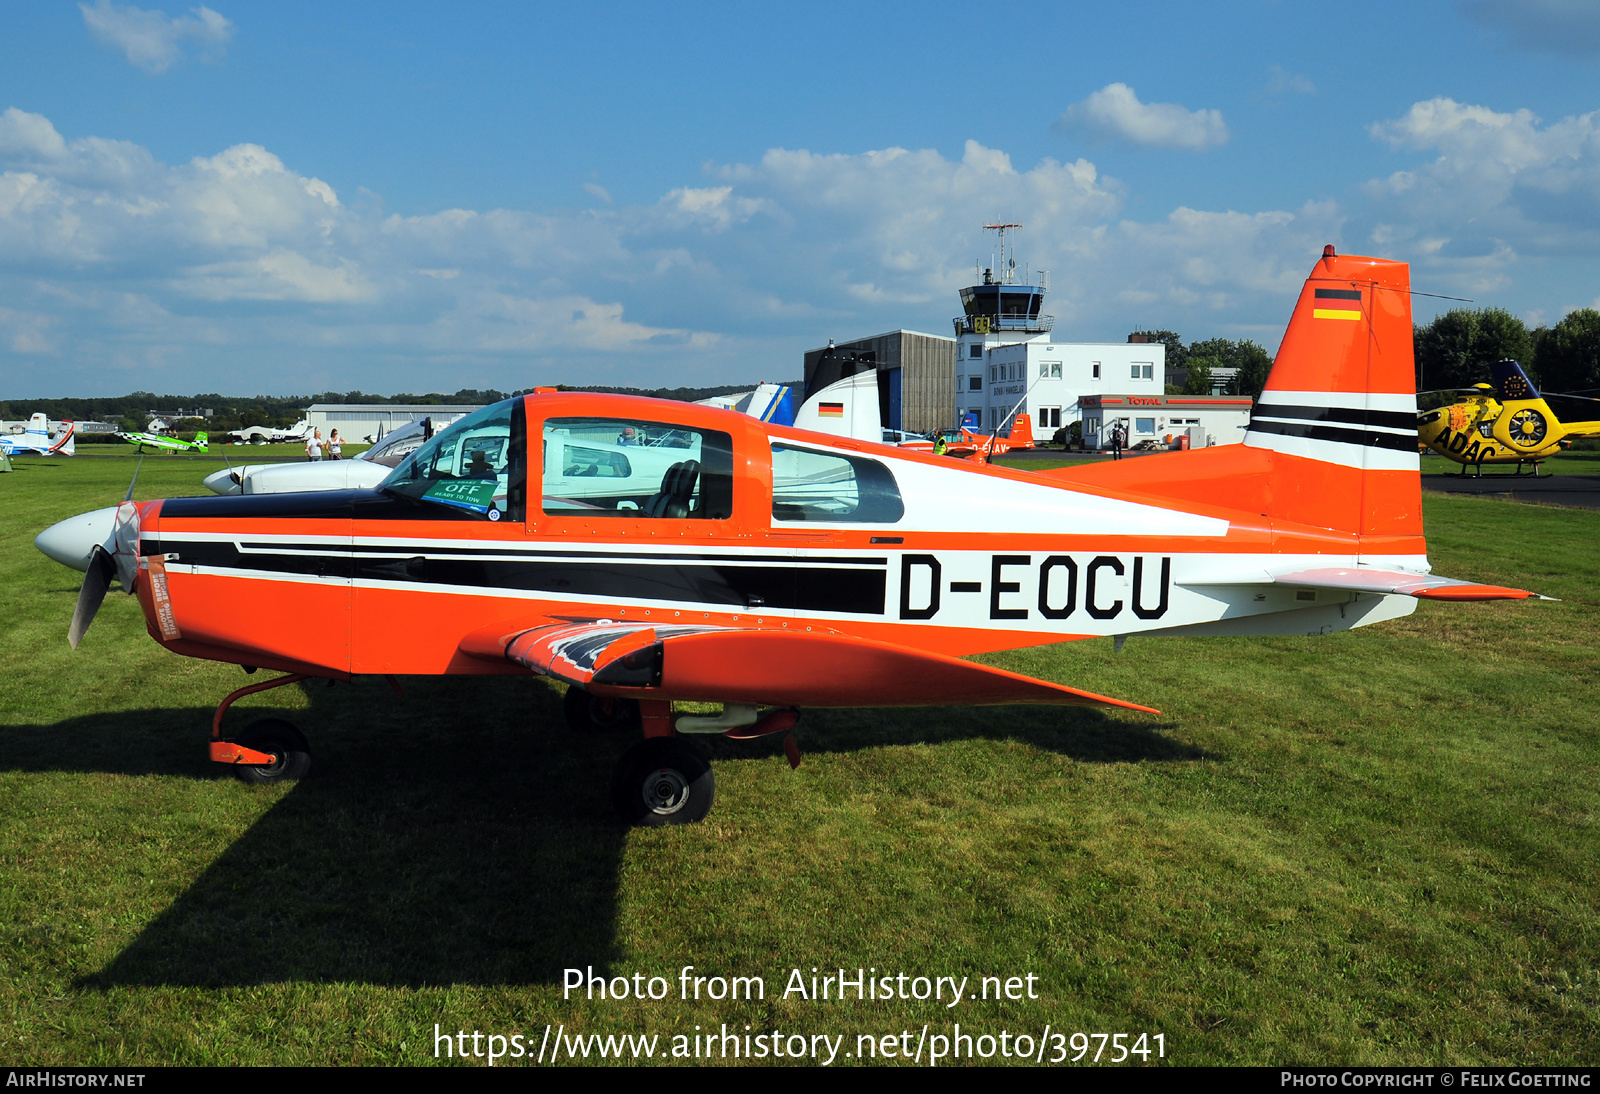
(438, 840)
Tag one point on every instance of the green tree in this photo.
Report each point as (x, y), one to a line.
(1199, 381)
(1250, 360)
(1569, 354)
(1457, 348)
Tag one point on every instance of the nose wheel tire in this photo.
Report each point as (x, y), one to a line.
(663, 780)
(286, 744)
(587, 713)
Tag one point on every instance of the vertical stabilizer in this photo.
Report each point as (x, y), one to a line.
(845, 408)
(1339, 410)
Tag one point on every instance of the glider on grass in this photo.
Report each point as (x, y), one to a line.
(769, 568)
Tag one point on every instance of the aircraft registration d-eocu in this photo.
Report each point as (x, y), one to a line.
(770, 568)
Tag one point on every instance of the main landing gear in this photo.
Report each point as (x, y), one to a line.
(664, 779)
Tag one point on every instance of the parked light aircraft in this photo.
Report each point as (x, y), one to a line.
(36, 440)
(775, 568)
(1507, 421)
(164, 443)
(261, 434)
(362, 472)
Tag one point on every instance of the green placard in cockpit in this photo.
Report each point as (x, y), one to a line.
(474, 494)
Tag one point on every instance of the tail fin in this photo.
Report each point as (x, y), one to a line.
(200, 442)
(1332, 442)
(1021, 432)
(66, 444)
(1510, 382)
(1339, 410)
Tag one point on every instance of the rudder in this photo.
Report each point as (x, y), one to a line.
(1339, 408)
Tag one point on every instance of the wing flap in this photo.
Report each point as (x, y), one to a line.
(763, 667)
(786, 668)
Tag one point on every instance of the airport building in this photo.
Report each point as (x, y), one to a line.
(368, 421)
(921, 376)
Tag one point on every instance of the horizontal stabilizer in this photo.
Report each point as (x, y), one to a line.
(766, 667)
(1426, 586)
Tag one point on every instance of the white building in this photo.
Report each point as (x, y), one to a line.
(1051, 379)
(359, 421)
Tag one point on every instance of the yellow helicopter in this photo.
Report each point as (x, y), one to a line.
(1507, 421)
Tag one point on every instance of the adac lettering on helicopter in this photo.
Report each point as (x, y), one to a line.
(1053, 585)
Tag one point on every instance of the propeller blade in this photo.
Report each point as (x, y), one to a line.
(136, 469)
(95, 583)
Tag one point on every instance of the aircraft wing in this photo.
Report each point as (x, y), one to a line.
(765, 667)
(1425, 586)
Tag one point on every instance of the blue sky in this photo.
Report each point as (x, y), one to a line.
(293, 197)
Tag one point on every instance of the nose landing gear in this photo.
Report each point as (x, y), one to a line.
(270, 750)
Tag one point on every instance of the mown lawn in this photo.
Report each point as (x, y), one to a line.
(1377, 847)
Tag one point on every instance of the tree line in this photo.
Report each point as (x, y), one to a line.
(229, 412)
(1457, 348)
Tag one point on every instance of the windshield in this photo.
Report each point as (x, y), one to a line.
(476, 466)
(397, 444)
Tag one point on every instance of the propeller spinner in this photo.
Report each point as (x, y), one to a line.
(103, 544)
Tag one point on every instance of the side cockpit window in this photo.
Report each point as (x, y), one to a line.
(616, 467)
(829, 487)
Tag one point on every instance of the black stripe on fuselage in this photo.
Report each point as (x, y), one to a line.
(1392, 419)
(1344, 434)
(776, 583)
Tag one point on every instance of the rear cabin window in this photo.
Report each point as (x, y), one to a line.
(617, 467)
(828, 487)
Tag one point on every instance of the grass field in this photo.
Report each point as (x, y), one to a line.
(1378, 847)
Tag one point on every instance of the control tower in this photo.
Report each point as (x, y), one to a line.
(1003, 308)
(1007, 365)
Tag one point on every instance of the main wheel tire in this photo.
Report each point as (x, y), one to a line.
(587, 713)
(663, 780)
(291, 754)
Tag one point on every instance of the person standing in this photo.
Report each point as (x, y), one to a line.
(335, 448)
(1116, 441)
(314, 446)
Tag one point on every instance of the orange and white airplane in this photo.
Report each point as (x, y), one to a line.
(770, 568)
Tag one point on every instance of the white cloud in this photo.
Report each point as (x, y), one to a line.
(152, 40)
(1284, 82)
(1115, 112)
(1502, 183)
(240, 262)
